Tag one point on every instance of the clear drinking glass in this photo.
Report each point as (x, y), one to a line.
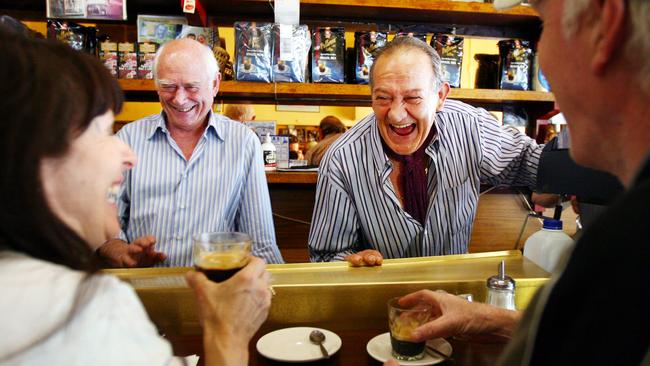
(402, 321)
(221, 255)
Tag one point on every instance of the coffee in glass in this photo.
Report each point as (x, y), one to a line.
(221, 255)
(402, 321)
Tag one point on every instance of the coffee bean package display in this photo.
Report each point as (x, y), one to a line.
(366, 45)
(420, 36)
(516, 64)
(450, 50)
(77, 36)
(253, 48)
(328, 55)
(128, 60)
(146, 54)
(108, 56)
(291, 44)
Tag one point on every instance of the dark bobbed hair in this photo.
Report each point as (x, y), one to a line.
(330, 125)
(50, 95)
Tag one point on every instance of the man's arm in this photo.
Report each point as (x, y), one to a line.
(118, 253)
(334, 226)
(454, 316)
(508, 156)
(255, 215)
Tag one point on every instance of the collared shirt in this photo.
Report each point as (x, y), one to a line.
(357, 206)
(221, 188)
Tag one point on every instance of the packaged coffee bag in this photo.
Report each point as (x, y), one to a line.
(128, 60)
(108, 56)
(450, 50)
(77, 36)
(291, 44)
(420, 36)
(366, 45)
(253, 51)
(328, 55)
(146, 54)
(516, 64)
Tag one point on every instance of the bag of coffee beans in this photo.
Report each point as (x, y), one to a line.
(146, 54)
(291, 44)
(128, 60)
(253, 51)
(420, 36)
(516, 64)
(366, 45)
(77, 36)
(328, 55)
(108, 56)
(450, 49)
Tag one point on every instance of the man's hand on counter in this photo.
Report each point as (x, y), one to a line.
(368, 257)
(140, 253)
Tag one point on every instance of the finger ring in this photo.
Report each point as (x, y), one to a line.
(272, 290)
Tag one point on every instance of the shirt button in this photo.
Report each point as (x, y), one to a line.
(182, 207)
(178, 237)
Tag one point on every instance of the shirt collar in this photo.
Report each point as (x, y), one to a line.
(215, 124)
(379, 156)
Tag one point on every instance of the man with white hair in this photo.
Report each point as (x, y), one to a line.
(198, 171)
(591, 313)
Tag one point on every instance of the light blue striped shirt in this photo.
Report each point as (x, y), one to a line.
(221, 188)
(356, 205)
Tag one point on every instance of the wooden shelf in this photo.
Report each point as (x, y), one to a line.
(292, 177)
(420, 11)
(481, 18)
(329, 94)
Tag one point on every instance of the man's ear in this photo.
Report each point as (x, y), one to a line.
(215, 84)
(443, 92)
(608, 31)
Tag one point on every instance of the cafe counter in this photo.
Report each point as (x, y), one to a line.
(348, 300)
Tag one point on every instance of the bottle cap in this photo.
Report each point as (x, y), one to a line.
(552, 224)
(501, 281)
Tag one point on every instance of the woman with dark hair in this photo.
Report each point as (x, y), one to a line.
(61, 172)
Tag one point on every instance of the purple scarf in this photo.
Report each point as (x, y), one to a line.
(413, 178)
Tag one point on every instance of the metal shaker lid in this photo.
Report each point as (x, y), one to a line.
(501, 281)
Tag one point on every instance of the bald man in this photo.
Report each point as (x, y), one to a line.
(197, 171)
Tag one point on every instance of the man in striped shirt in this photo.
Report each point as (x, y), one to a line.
(405, 181)
(198, 171)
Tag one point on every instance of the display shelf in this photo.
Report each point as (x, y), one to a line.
(420, 11)
(329, 94)
(509, 22)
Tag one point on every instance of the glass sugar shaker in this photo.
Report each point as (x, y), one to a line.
(501, 289)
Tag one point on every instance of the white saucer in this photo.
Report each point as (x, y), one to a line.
(380, 349)
(293, 345)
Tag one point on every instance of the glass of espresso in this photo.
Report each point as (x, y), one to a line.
(403, 320)
(220, 255)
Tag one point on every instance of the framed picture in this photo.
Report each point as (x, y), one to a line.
(208, 36)
(159, 29)
(87, 9)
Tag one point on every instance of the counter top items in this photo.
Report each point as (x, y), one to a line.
(343, 295)
(380, 349)
(501, 289)
(293, 344)
(550, 247)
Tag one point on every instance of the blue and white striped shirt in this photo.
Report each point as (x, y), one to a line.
(356, 205)
(221, 188)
